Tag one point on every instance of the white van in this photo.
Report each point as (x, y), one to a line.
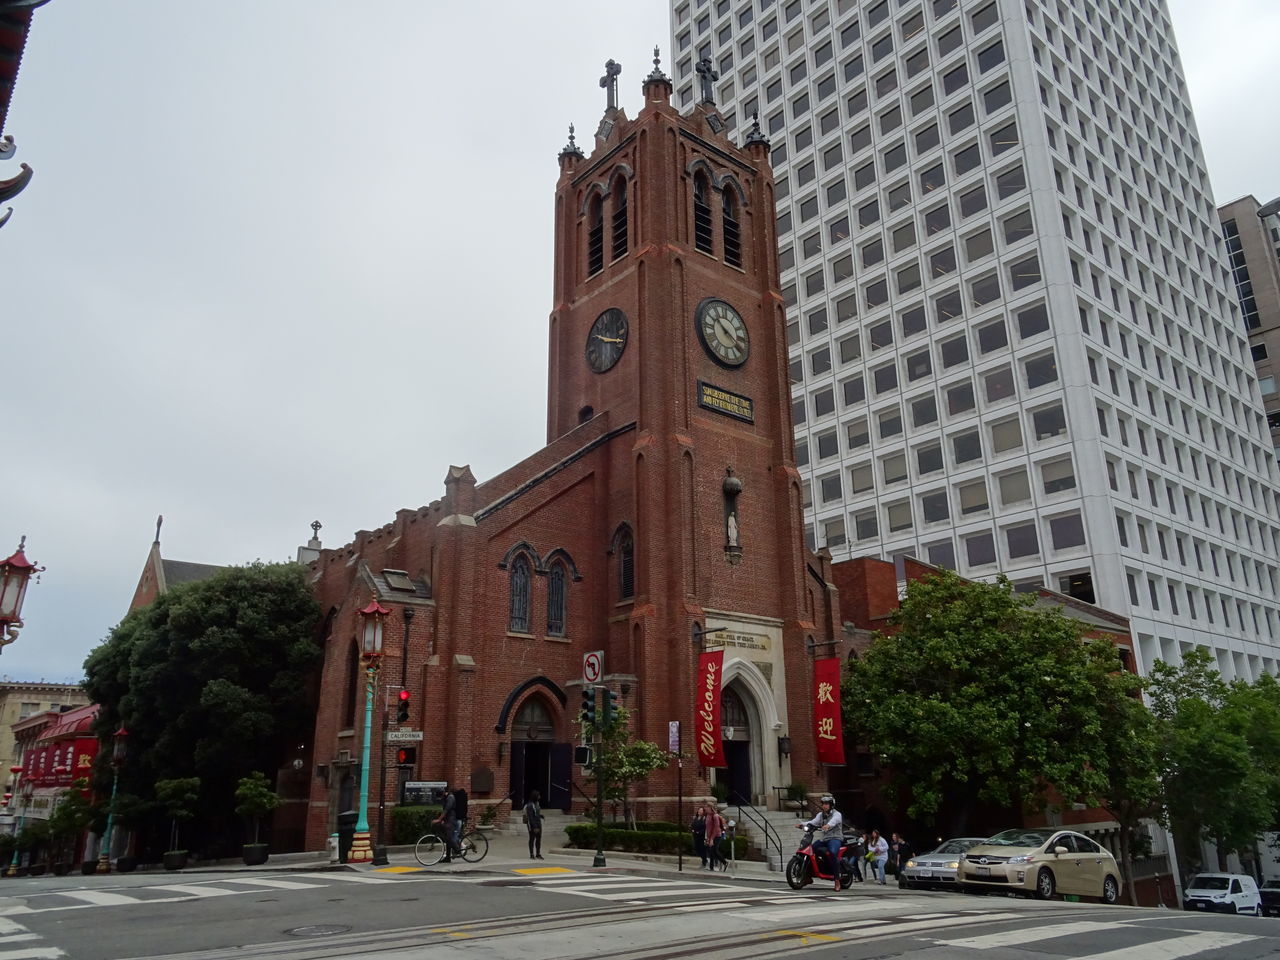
(1223, 892)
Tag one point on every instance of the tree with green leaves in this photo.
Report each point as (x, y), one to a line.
(179, 798)
(214, 679)
(255, 799)
(70, 818)
(1221, 752)
(621, 760)
(973, 695)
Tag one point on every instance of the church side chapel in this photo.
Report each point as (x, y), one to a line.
(661, 525)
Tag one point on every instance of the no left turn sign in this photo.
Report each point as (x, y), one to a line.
(592, 666)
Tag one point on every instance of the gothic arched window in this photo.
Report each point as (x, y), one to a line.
(701, 213)
(556, 601)
(518, 620)
(626, 565)
(732, 233)
(595, 235)
(619, 218)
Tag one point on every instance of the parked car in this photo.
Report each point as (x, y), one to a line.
(937, 867)
(1223, 893)
(1270, 893)
(1041, 861)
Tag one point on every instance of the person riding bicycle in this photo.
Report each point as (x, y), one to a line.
(829, 833)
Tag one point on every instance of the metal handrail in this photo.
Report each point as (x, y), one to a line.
(771, 836)
(574, 784)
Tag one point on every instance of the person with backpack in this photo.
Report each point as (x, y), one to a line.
(533, 820)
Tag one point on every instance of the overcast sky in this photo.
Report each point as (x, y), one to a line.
(287, 260)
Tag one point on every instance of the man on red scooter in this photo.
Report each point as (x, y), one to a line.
(828, 828)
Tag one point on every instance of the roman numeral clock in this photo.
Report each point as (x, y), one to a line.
(722, 332)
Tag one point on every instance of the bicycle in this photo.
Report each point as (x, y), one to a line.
(431, 848)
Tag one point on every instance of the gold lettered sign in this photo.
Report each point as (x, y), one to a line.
(726, 402)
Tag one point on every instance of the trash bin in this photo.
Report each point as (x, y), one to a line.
(346, 833)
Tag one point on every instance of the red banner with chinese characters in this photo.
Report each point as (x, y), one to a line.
(710, 744)
(826, 711)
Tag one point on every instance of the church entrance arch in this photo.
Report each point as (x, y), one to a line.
(537, 761)
(740, 731)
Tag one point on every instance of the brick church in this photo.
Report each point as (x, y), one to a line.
(662, 522)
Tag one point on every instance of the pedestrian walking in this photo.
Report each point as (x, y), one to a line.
(899, 853)
(713, 832)
(880, 847)
(533, 820)
(855, 850)
(698, 828)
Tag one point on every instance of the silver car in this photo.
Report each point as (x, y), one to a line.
(937, 867)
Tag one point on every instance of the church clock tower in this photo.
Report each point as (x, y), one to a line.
(668, 323)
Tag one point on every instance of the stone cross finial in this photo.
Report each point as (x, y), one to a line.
(612, 70)
(707, 75)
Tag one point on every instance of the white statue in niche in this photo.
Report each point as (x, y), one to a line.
(732, 528)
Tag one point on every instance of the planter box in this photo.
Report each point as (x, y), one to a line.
(61, 869)
(175, 859)
(126, 864)
(37, 870)
(89, 867)
(255, 854)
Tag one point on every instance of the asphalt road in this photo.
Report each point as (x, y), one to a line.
(570, 911)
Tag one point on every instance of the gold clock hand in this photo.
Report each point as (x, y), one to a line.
(608, 339)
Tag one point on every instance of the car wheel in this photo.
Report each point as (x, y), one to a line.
(1044, 884)
(1257, 910)
(1110, 890)
(798, 872)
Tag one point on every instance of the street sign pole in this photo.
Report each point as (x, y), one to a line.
(599, 860)
(673, 735)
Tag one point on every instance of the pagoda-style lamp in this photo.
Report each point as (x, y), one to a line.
(17, 777)
(15, 574)
(119, 746)
(372, 619)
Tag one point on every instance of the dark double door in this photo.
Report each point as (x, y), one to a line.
(542, 766)
(737, 755)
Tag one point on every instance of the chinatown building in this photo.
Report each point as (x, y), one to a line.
(660, 527)
(55, 749)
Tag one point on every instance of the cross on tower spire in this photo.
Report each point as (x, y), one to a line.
(707, 75)
(612, 70)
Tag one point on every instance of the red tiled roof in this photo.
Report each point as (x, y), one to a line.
(73, 723)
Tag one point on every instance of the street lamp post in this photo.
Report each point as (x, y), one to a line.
(15, 574)
(118, 748)
(13, 865)
(372, 617)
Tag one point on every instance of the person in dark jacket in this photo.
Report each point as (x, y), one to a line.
(448, 820)
(899, 853)
(698, 827)
(533, 820)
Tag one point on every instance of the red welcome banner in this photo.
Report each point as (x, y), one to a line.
(710, 745)
(826, 711)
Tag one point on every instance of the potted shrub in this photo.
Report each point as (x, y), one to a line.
(255, 799)
(178, 797)
(31, 841)
(797, 796)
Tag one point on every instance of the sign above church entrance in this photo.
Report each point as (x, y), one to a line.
(726, 402)
(738, 640)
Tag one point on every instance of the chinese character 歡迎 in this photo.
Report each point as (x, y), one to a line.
(826, 728)
(824, 693)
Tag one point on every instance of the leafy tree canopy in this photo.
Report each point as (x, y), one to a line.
(213, 679)
(977, 696)
(620, 759)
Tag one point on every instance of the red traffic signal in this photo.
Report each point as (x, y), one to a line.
(406, 756)
(402, 714)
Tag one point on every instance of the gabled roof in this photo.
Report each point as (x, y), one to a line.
(181, 571)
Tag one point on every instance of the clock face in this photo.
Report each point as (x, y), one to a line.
(607, 340)
(722, 332)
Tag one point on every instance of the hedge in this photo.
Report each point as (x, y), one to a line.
(410, 823)
(583, 836)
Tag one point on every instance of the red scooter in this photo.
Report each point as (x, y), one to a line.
(806, 865)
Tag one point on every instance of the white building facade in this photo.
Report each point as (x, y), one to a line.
(1015, 346)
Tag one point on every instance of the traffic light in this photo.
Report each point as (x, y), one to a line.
(406, 756)
(589, 707)
(610, 707)
(402, 712)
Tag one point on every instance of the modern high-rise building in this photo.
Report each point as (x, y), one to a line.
(1015, 344)
(1252, 234)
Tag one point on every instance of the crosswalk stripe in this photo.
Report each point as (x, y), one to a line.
(1029, 935)
(273, 884)
(1184, 945)
(8, 926)
(193, 890)
(896, 929)
(578, 878)
(99, 898)
(17, 937)
(700, 907)
(32, 953)
(348, 877)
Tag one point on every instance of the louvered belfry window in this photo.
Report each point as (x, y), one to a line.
(518, 620)
(701, 214)
(595, 236)
(732, 234)
(626, 565)
(619, 219)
